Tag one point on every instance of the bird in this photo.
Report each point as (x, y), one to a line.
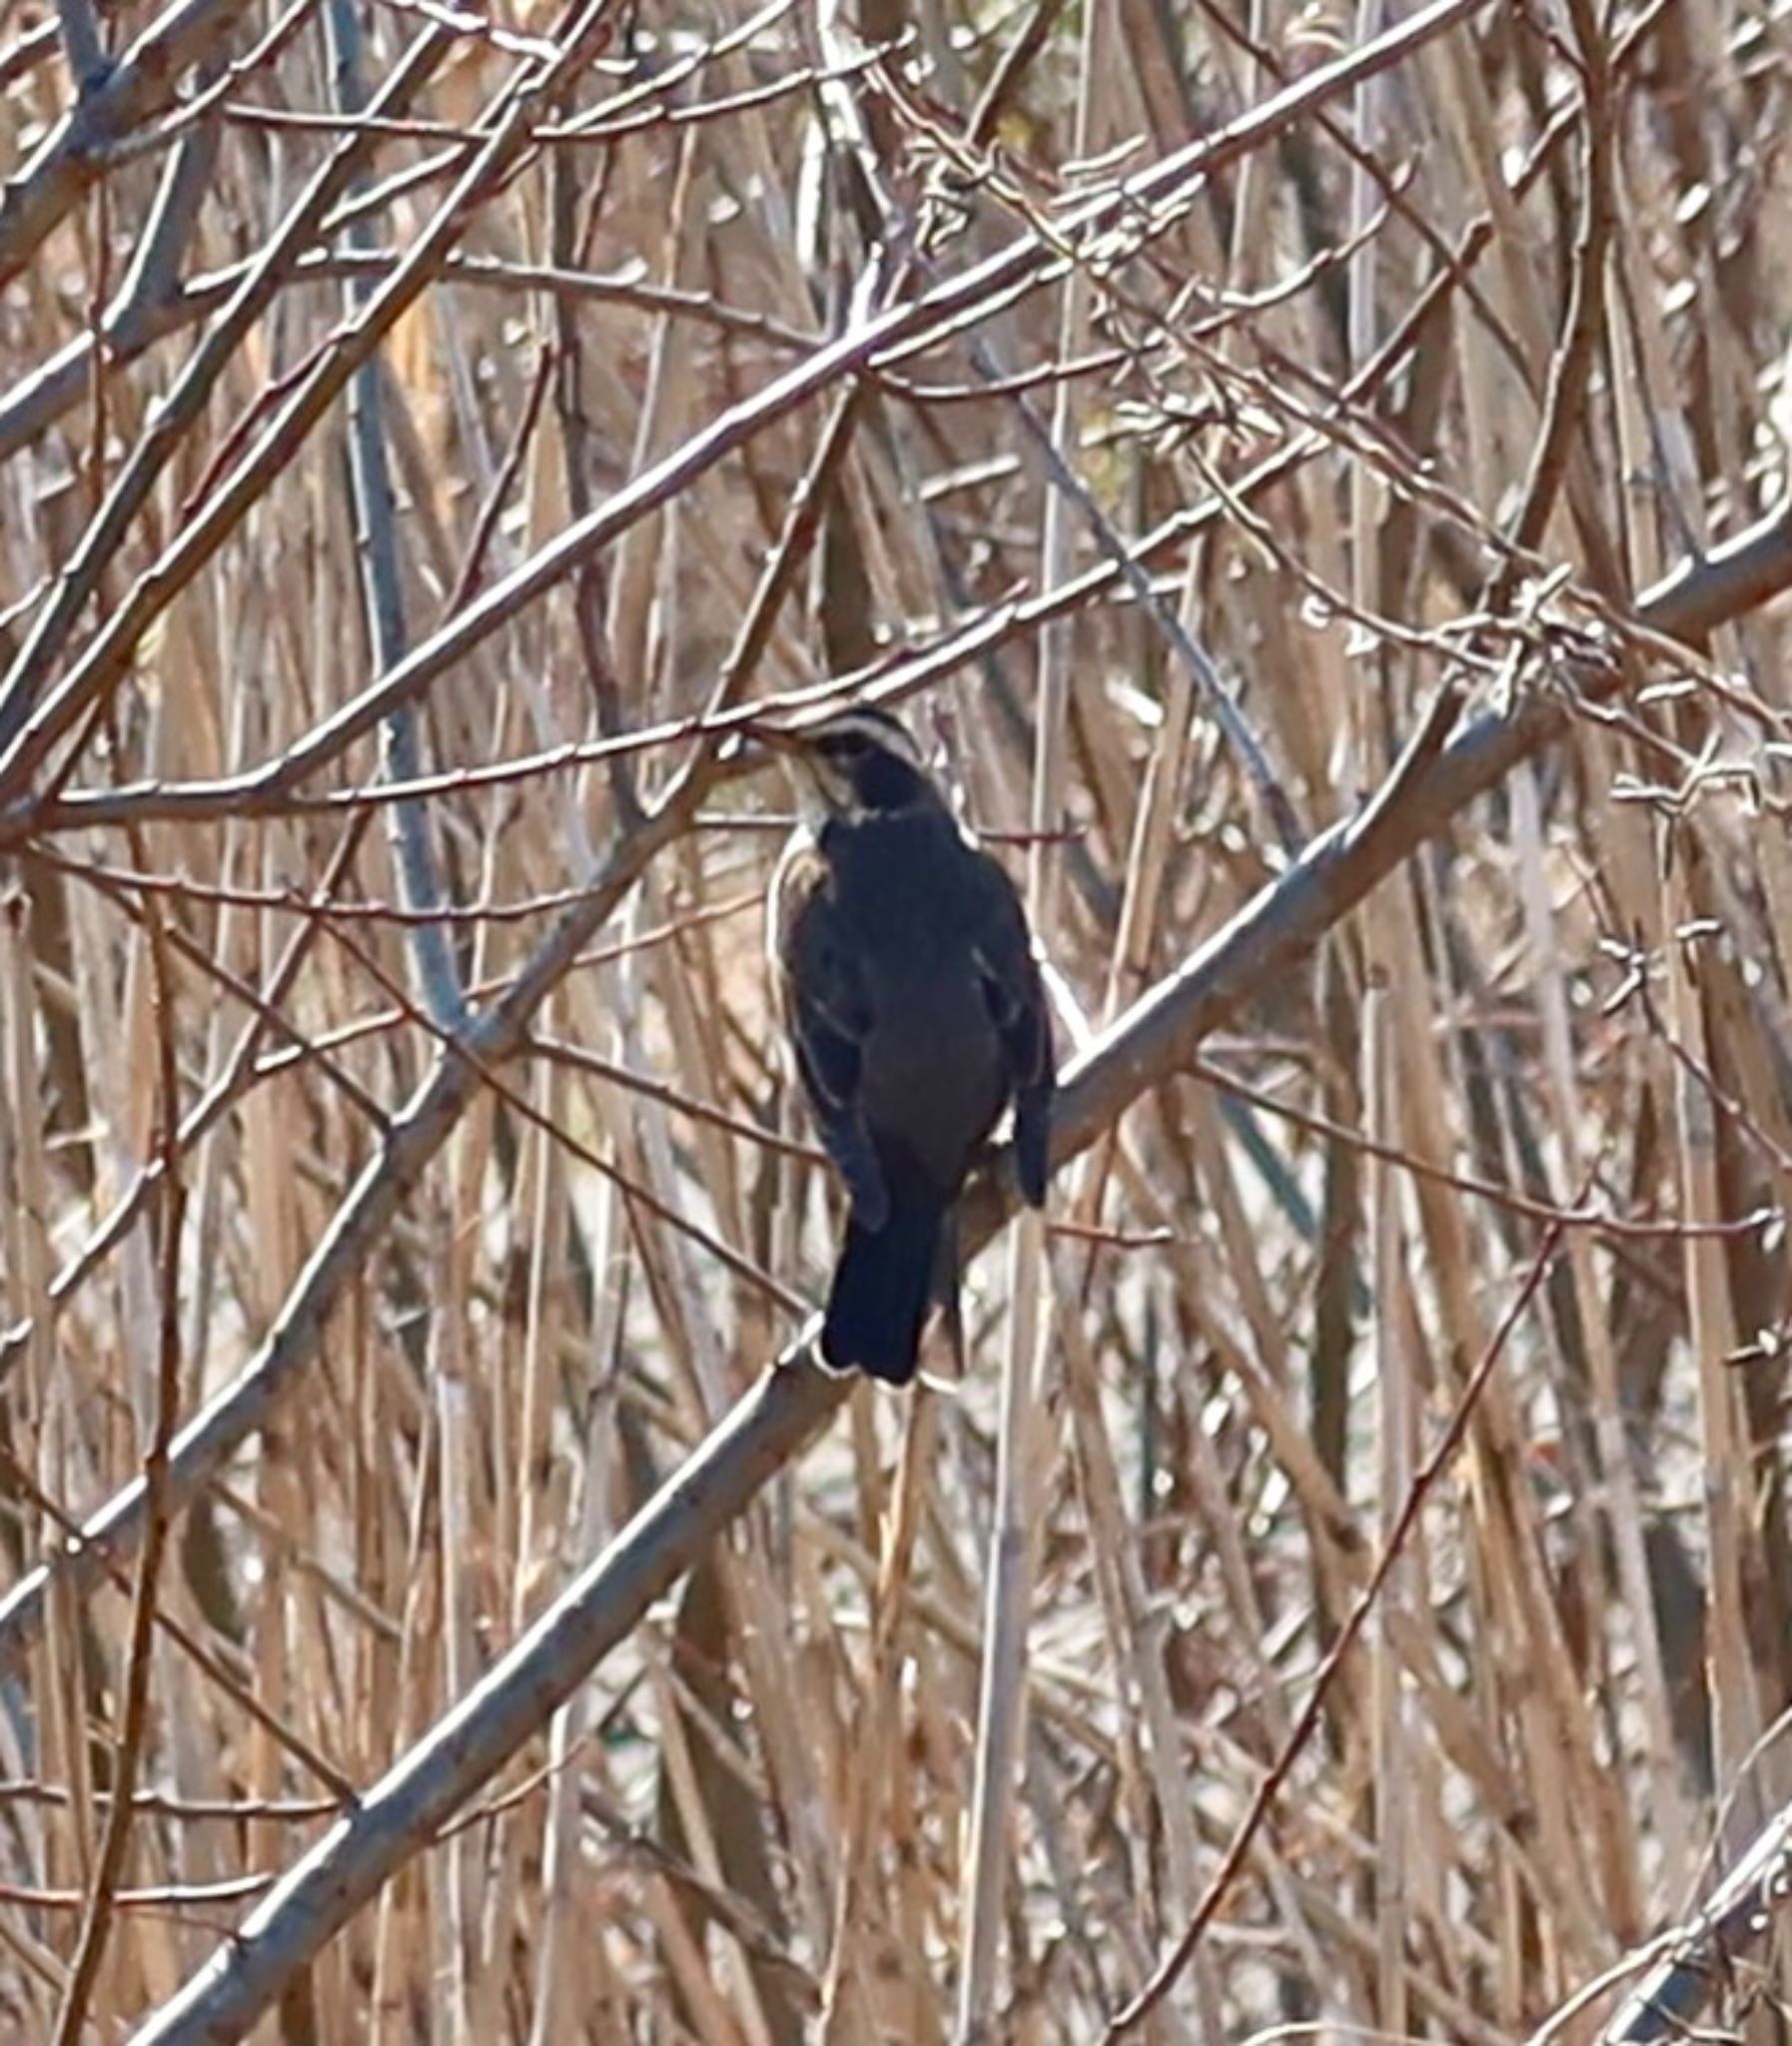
(911, 993)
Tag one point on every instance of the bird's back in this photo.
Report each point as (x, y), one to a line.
(933, 1081)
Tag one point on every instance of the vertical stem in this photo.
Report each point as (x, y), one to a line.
(1393, 1370)
(375, 531)
(1003, 1687)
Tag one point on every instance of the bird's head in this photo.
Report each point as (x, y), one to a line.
(859, 761)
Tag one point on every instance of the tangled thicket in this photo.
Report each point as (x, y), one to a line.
(1352, 1582)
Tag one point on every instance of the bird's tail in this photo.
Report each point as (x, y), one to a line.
(882, 1287)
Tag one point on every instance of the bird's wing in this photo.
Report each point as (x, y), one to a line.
(1016, 998)
(828, 1009)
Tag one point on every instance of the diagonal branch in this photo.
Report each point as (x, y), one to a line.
(1740, 1916)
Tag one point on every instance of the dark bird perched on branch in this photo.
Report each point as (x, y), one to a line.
(914, 1002)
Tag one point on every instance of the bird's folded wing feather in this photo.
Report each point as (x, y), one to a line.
(1015, 995)
(830, 1016)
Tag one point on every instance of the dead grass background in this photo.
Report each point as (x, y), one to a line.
(445, 349)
